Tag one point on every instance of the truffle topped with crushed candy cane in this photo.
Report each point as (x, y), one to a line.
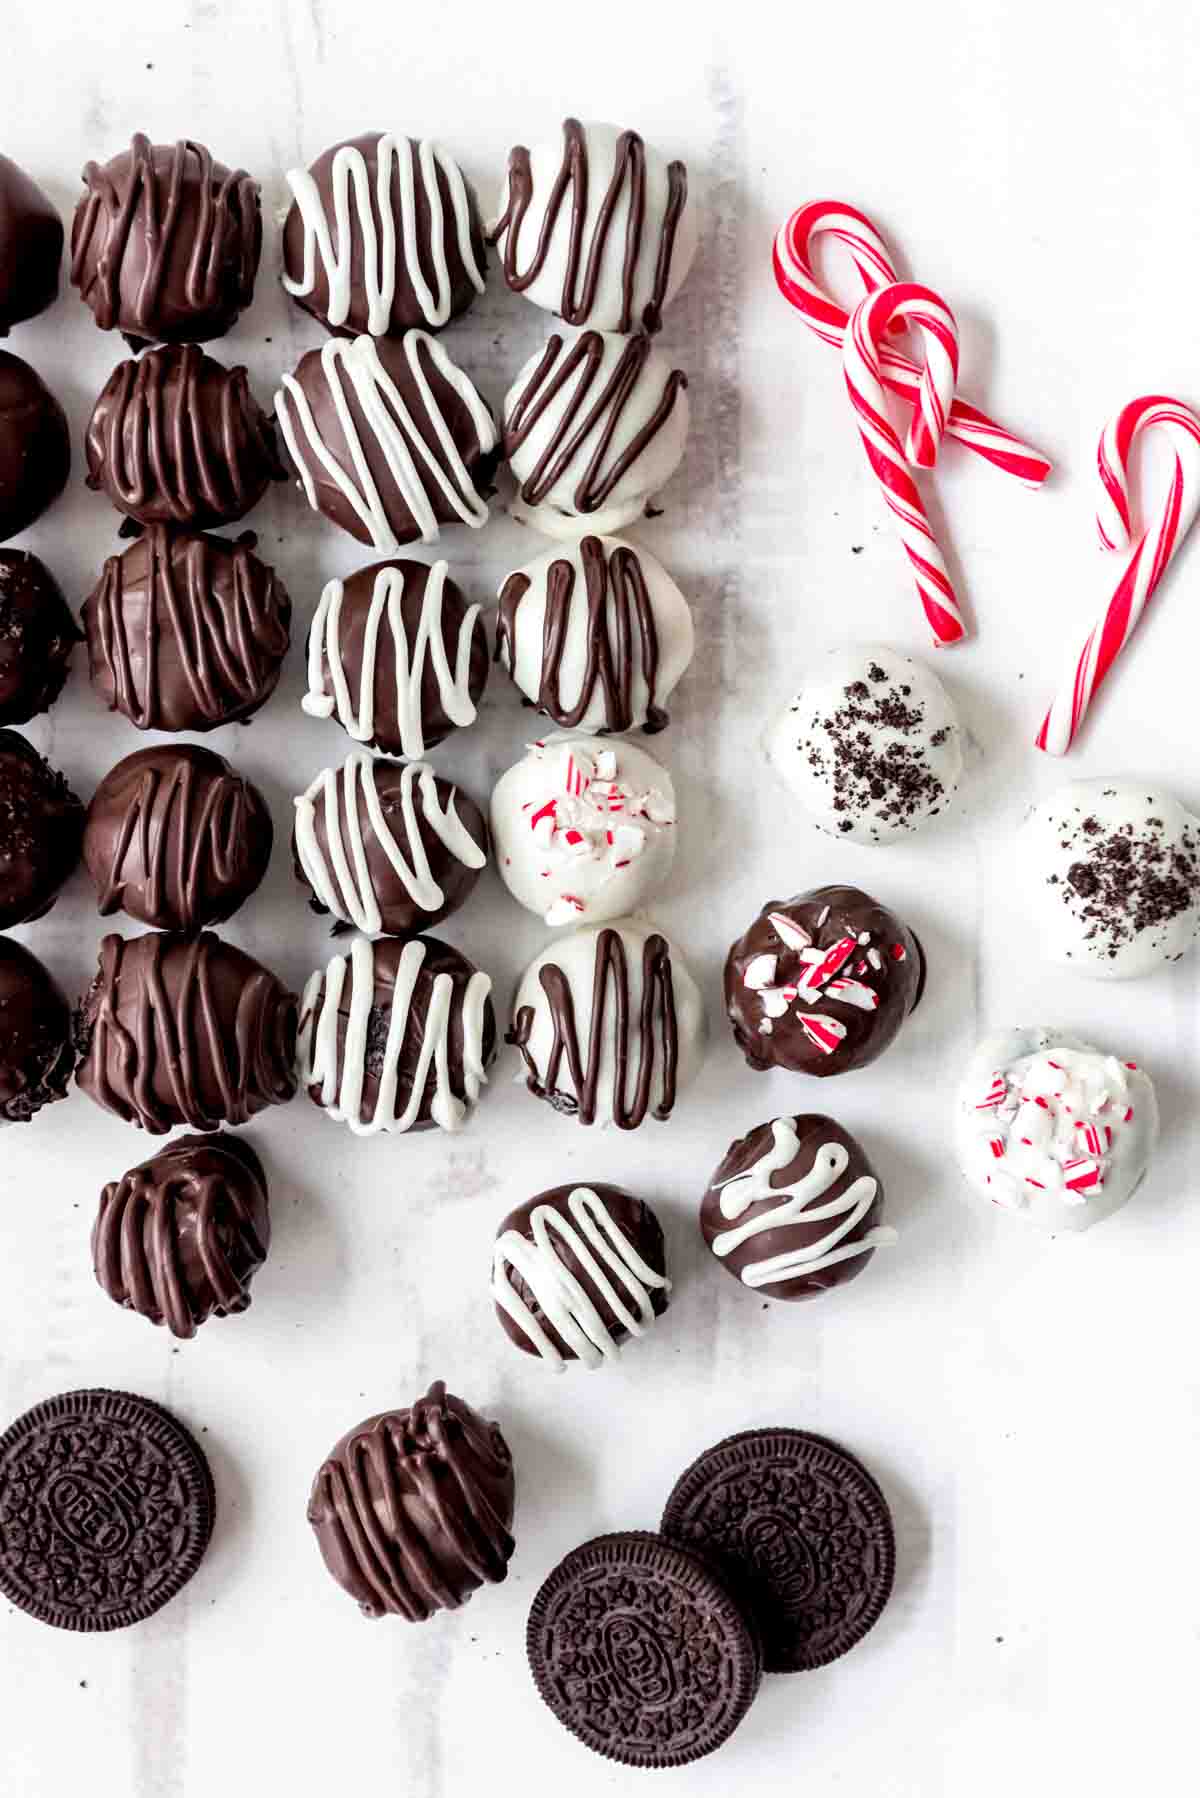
(584, 828)
(1052, 1128)
(821, 983)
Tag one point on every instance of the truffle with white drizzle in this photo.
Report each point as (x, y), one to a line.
(578, 1270)
(583, 828)
(383, 233)
(1053, 1129)
(386, 847)
(390, 439)
(396, 1036)
(397, 654)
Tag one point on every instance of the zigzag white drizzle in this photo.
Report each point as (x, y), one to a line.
(341, 1078)
(342, 880)
(336, 246)
(387, 595)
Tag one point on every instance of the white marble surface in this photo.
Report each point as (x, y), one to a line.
(1032, 1408)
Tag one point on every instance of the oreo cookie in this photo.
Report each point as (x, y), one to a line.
(640, 1649)
(106, 1509)
(803, 1533)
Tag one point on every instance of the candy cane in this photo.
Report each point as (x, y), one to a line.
(1151, 553)
(822, 313)
(919, 309)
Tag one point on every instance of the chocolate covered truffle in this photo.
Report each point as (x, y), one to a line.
(1113, 872)
(795, 1208)
(176, 838)
(596, 635)
(31, 247)
(396, 652)
(397, 1036)
(597, 227)
(387, 848)
(165, 243)
(610, 1024)
(821, 983)
(177, 438)
(180, 1238)
(41, 828)
(577, 1271)
(389, 438)
(383, 233)
(186, 631)
(35, 446)
(413, 1510)
(37, 635)
(36, 1052)
(871, 745)
(185, 1030)
(594, 426)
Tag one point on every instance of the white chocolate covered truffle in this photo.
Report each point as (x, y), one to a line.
(871, 745)
(1114, 870)
(1052, 1128)
(583, 828)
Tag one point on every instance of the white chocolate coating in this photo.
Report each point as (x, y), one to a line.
(1113, 871)
(871, 745)
(584, 828)
(1048, 1126)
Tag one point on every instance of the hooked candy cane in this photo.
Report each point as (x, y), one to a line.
(822, 313)
(1150, 555)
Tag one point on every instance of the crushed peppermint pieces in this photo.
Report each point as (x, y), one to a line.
(593, 822)
(1037, 1116)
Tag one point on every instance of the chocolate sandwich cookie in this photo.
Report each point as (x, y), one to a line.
(106, 1509)
(802, 1531)
(641, 1650)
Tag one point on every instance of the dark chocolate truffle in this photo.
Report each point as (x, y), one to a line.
(821, 983)
(35, 446)
(397, 1036)
(390, 439)
(179, 1030)
(795, 1208)
(180, 1238)
(37, 635)
(186, 631)
(577, 1271)
(413, 1510)
(165, 243)
(178, 438)
(36, 1056)
(387, 848)
(41, 828)
(176, 838)
(31, 247)
(383, 233)
(398, 655)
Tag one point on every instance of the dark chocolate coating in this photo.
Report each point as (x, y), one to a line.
(897, 982)
(36, 1054)
(31, 247)
(177, 438)
(793, 1234)
(37, 635)
(176, 838)
(179, 1030)
(406, 310)
(636, 1223)
(41, 829)
(413, 1510)
(165, 243)
(35, 446)
(186, 631)
(180, 1238)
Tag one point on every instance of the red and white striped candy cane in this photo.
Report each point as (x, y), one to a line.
(1148, 561)
(918, 309)
(822, 313)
